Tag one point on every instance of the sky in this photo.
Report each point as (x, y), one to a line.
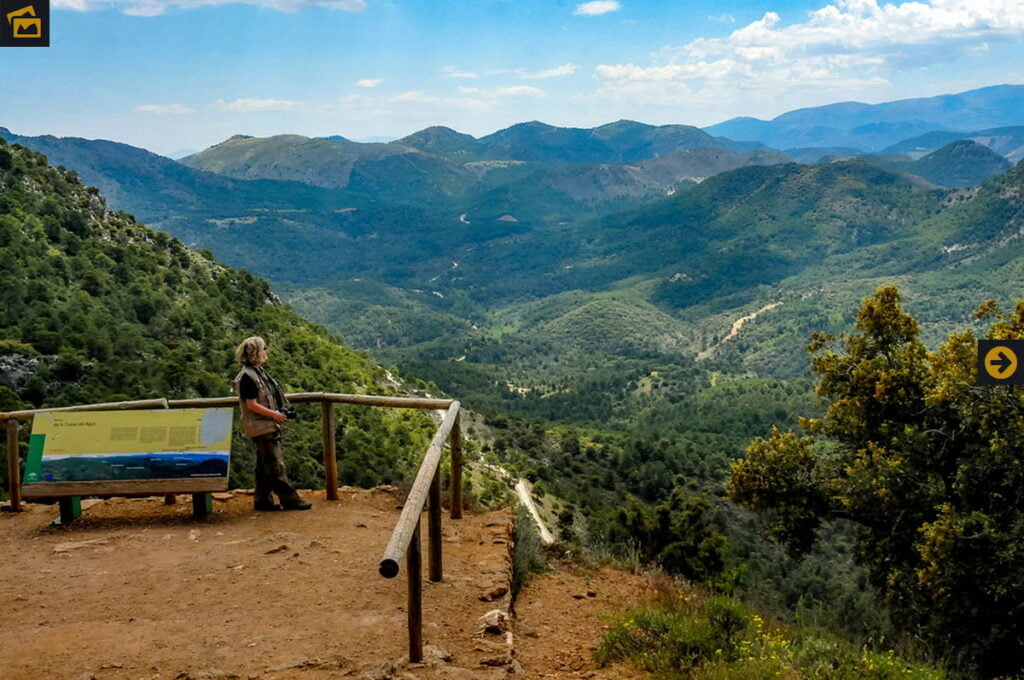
(171, 75)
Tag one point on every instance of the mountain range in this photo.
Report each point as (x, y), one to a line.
(874, 127)
(537, 250)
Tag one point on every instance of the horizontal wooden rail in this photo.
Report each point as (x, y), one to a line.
(413, 508)
(370, 400)
(213, 402)
(109, 406)
(125, 487)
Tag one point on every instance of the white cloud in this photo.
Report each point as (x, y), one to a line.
(850, 45)
(723, 18)
(597, 7)
(157, 7)
(455, 72)
(429, 109)
(563, 70)
(431, 102)
(164, 109)
(519, 91)
(369, 82)
(251, 105)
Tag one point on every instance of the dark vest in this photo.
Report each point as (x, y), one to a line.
(253, 424)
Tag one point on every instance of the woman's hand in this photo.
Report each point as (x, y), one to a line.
(261, 410)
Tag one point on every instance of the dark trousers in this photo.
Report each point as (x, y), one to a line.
(270, 473)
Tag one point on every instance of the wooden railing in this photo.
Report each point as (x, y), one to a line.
(327, 399)
(405, 540)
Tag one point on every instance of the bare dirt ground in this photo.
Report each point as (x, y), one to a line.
(138, 590)
(562, 615)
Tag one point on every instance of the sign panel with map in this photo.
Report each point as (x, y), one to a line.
(95, 446)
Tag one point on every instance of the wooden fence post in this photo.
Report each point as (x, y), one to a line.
(13, 466)
(414, 568)
(330, 424)
(456, 470)
(434, 516)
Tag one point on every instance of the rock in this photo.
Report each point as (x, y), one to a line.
(490, 646)
(211, 674)
(360, 525)
(223, 496)
(194, 535)
(280, 548)
(526, 629)
(316, 544)
(457, 673)
(68, 546)
(579, 596)
(383, 672)
(591, 593)
(495, 622)
(497, 660)
(108, 666)
(515, 668)
(304, 662)
(432, 654)
(308, 662)
(493, 593)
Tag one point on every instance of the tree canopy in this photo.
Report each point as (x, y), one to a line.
(928, 466)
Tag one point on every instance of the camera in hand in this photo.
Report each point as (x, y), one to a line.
(291, 413)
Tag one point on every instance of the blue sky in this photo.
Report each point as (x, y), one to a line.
(184, 74)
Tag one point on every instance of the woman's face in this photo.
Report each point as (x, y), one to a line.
(261, 356)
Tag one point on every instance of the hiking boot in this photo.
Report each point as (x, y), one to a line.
(266, 506)
(297, 505)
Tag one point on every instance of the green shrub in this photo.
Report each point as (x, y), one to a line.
(684, 635)
(526, 556)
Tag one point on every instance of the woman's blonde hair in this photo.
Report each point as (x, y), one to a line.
(248, 352)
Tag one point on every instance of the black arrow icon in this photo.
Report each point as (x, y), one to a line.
(1002, 363)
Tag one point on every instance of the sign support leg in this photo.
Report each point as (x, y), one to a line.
(202, 505)
(70, 510)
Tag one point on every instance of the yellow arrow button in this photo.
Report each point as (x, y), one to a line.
(1000, 362)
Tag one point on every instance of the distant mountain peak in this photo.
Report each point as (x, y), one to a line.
(440, 140)
(874, 127)
(532, 125)
(621, 124)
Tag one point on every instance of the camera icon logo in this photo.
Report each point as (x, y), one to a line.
(24, 23)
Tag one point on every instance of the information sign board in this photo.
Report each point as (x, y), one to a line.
(99, 446)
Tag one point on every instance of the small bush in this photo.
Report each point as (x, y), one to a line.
(684, 635)
(526, 556)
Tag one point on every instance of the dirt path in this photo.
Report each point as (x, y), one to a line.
(735, 329)
(141, 591)
(562, 615)
(526, 498)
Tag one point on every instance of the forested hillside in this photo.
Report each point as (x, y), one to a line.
(98, 308)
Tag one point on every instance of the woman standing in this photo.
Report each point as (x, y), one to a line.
(262, 402)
